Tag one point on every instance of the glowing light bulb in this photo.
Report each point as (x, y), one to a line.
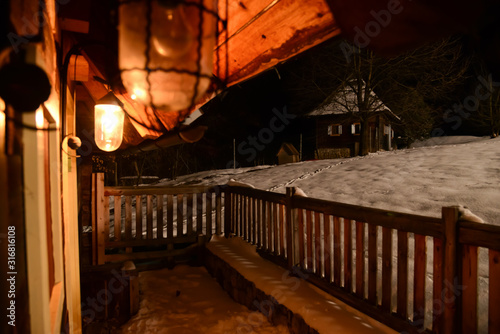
(108, 126)
(172, 36)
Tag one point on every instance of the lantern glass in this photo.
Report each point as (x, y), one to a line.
(108, 126)
(165, 52)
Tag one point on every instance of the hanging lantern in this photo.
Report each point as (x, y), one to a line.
(109, 117)
(166, 50)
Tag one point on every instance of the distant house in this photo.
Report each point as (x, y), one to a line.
(338, 127)
(287, 154)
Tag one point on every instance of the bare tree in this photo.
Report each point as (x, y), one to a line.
(416, 86)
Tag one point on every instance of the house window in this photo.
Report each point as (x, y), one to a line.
(334, 130)
(356, 128)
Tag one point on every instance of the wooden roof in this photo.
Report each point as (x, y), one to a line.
(259, 35)
(288, 149)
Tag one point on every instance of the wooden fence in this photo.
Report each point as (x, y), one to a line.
(131, 223)
(416, 274)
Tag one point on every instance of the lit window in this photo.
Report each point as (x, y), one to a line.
(356, 128)
(334, 130)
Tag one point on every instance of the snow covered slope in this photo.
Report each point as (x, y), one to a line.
(440, 172)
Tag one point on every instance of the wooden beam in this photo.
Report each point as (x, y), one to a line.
(74, 25)
(264, 33)
(78, 69)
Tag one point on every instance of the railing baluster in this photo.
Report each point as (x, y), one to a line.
(118, 218)
(317, 243)
(128, 217)
(218, 212)
(281, 222)
(372, 264)
(360, 259)
(199, 213)
(189, 213)
(170, 217)
(469, 296)
(149, 217)
(106, 219)
(138, 217)
(159, 216)
(244, 218)
(258, 222)
(309, 236)
(180, 215)
(402, 308)
(437, 278)
(386, 269)
(241, 210)
(336, 251)
(494, 293)
(347, 255)
(301, 232)
(128, 221)
(208, 214)
(327, 242)
(275, 229)
(228, 213)
(419, 280)
(264, 225)
(253, 214)
(269, 227)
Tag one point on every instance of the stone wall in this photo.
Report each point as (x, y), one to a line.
(244, 292)
(333, 153)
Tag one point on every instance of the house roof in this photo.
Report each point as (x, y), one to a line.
(288, 149)
(345, 100)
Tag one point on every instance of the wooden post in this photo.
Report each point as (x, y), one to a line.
(450, 274)
(227, 212)
(99, 210)
(129, 272)
(291, 228)
(94, 220)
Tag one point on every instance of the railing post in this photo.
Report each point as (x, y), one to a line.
(450, 294)
(227, 212)
(291, 227)
(98, 225)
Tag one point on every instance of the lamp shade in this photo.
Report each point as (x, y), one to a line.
(109, 118)
(166, 50)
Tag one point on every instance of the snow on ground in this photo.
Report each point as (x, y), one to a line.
(187, 300)
(440, 172)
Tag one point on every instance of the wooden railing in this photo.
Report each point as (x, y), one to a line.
(131, 223)
(414, 273)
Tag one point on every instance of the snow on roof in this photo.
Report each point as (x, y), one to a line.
(345, 100)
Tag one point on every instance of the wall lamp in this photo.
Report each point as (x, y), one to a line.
(108, 117)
